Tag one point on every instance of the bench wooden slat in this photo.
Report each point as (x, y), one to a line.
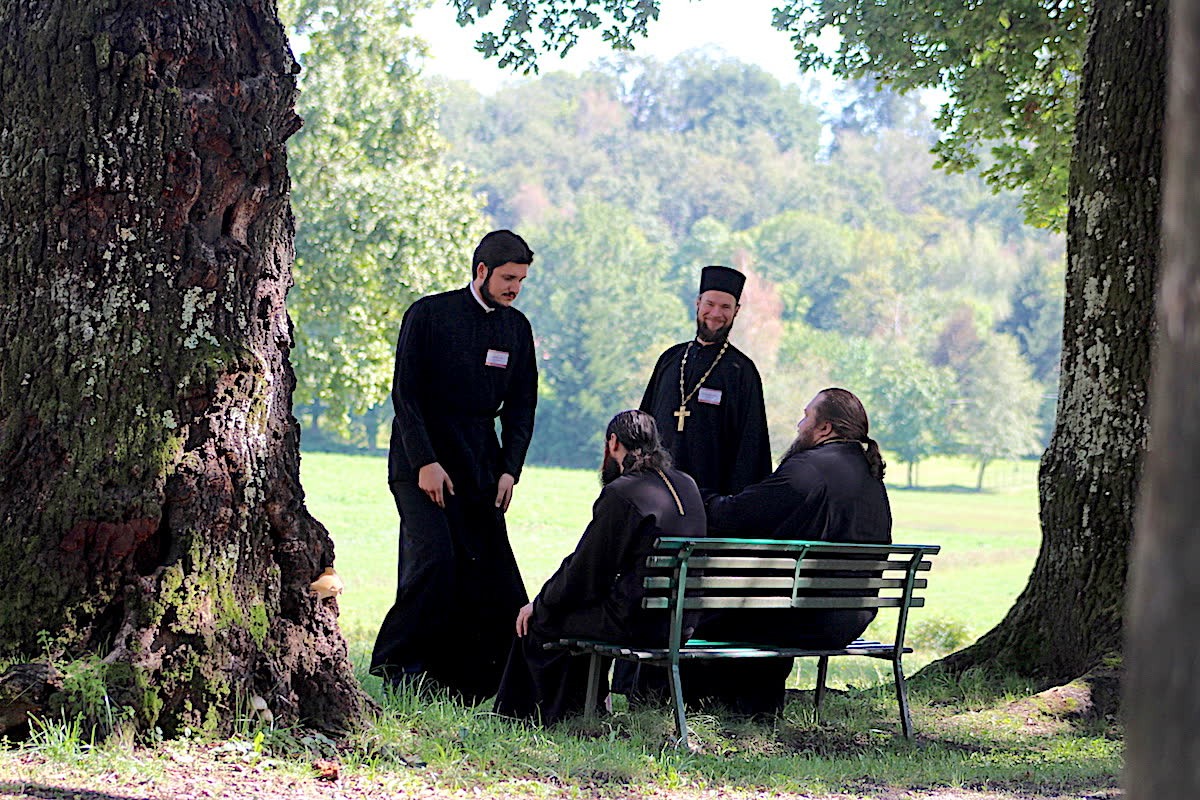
(739, 601)
(792, 545)
(722, 562)
(857, 564)
(700, 649)
(766, 582)
(750, 562)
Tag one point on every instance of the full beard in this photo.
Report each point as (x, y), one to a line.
(711, 336)
(485, 292)
(610, 470)
(802, 442)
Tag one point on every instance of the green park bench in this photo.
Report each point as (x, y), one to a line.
(717, 573)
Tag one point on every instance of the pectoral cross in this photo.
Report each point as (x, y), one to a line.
(682, 413)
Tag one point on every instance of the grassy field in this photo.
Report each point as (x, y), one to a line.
(977, 737)
(989, 540)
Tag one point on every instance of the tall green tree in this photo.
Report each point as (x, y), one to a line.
(1069, 619)
(910, 406)
(1015, 74)
(999, 399)
(381, 216)
(601, 314)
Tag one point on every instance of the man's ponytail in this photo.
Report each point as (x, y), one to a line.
(846, 415)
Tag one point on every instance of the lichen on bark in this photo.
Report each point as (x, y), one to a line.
(150, 509)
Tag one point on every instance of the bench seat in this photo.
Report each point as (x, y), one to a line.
(742, 575)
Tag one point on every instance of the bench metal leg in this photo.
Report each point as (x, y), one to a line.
(902, 698)
(819, 694)
(593, 687)
(680, 712)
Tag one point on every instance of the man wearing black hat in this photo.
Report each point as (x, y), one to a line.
(464, 359)
(707, 398)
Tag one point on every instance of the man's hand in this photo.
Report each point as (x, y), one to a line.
(523, 619)
(504, 491)
(434, 481)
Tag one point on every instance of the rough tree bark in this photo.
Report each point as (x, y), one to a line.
(153, 532)
(1164, 653)
(1068, 620)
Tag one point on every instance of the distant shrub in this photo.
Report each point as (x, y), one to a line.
(939, 634)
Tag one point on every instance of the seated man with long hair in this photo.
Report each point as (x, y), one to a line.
(597, 590)
(828, 487)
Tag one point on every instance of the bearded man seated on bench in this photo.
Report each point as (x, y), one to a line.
(597, 591)
(828, 487)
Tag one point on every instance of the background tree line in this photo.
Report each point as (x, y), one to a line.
(922, 290)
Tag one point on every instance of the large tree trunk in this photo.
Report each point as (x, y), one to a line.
(1069, 618)
(151, 517)
(1164, 653)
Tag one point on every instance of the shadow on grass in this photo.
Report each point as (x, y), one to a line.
(57, 792)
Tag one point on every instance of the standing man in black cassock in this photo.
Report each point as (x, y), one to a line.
(464, 358)
(706, 395)
(707, 398)
(597, 591)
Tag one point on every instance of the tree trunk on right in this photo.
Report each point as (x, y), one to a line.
(1162, 702)
(1069, 619)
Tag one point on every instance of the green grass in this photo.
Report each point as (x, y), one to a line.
(971, 732)
(422, 744)
(989, 541)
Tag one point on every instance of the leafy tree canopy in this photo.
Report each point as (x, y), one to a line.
(1011, 69)
(381, 217)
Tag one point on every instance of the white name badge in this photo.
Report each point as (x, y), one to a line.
(496, 358)
(710, 396)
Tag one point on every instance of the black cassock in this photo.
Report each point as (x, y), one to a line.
(822, 494)
(458, 368)
(724, 444)
(597, 593)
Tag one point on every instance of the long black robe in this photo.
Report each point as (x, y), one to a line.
(823, 494)
(458, 368)
(597, 593)
(724, 444)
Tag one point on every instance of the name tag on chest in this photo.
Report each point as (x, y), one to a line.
(496, 358)
(710, 396)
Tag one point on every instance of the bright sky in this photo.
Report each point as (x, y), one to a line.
(741, 28)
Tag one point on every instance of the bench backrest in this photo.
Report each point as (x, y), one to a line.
(719, 573)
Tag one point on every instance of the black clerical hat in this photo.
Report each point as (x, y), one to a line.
(722, 279)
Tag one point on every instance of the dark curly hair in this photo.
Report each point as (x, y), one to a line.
(638, 433)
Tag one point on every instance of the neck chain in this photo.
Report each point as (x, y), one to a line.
(678, 504)
(684, 395)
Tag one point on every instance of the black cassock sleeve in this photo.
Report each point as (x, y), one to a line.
(748, 448)
(412, 348)
(516, 415)
(759, 510)
(586, 576)
(652, 387)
